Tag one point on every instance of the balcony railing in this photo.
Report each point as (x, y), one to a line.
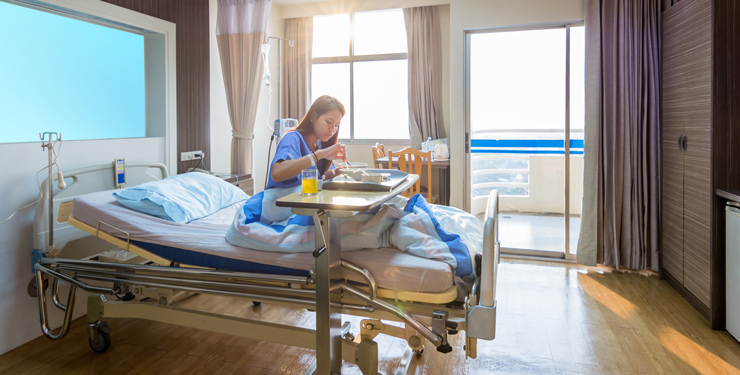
(505, 160)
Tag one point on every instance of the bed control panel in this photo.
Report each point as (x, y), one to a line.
(119, 173)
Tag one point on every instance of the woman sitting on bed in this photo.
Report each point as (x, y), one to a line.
(313, 144)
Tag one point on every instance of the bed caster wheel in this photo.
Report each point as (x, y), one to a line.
(103, 341)
(32, 290)
(256, 303)
(419, 351)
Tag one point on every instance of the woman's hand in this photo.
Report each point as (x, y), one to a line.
(335, 152)
(331, 173)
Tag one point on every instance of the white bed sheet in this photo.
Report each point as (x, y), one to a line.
(392, 268)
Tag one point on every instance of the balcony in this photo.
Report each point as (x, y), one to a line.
(528, 170)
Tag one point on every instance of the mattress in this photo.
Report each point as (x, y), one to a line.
(201, 243)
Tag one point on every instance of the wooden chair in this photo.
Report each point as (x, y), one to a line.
(378, 152)
(410, 160)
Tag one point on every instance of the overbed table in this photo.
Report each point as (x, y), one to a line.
(329, 207)
(441, 166)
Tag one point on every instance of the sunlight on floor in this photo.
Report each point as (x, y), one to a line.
(613, 301)
(698, 357)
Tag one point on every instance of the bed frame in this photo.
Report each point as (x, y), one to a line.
(148, 289)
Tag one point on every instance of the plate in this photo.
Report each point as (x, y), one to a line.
(355, 165)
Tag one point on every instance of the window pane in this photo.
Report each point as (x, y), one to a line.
(333, 79)
(517, 80)
(83, 80)
(577, 127)
(379, 32)
(331, 35)
(517, 111)
(381, 100)
(577, 78)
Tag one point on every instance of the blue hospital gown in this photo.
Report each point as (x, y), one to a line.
(292, 146)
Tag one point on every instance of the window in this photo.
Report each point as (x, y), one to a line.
(362, 60)
(66, 75)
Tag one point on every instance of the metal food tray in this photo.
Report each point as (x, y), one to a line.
(396, 178)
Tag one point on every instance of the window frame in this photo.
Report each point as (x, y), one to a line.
(351, 59)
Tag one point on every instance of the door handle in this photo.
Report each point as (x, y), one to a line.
(682, 142)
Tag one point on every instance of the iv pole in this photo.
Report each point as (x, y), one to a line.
(49, 146)
(280, 67)
(279, 90)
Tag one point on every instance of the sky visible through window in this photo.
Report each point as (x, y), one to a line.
(518, 80)
(60, 74)
(380, 99)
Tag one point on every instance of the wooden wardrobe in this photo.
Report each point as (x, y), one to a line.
(700, 146)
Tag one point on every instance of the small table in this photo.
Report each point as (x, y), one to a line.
(242, 181)
(330, 206)
(443, 180)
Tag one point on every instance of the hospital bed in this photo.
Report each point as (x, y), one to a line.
(156, 259)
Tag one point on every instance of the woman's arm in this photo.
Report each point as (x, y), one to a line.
(286, 169)
(290, 168)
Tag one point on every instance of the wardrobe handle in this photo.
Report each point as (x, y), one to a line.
(682, 142)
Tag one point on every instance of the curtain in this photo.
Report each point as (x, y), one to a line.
(296, 81)
(425, 74)
(241, 28)
(621, 202)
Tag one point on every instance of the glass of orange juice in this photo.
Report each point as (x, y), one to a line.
(310, 181)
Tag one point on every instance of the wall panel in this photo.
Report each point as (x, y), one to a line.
(193, 81)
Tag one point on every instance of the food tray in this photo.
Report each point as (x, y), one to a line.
(396, 178)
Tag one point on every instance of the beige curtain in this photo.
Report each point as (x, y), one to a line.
(296, 78)
(425, 74)
(241, 28)
(621, 200)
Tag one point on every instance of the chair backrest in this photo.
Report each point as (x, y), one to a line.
(411, 160)
(378, 152)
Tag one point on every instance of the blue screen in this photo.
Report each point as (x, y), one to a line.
(65, 75)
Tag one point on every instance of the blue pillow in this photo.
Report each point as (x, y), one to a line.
(181, 198)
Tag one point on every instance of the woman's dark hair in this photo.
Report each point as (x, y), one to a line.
(323, 104)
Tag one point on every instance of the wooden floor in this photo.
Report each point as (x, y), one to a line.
(553, 318)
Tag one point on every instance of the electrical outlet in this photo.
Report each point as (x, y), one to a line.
(190, 155)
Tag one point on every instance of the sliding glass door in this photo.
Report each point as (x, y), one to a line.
(524, 121)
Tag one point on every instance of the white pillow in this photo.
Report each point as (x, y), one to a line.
(181, 198)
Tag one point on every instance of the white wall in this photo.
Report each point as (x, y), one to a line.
(469, 14)
(19, 319)
(220, 123)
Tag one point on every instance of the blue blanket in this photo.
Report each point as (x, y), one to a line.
(429, 231)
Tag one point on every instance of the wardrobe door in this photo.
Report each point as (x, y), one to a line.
(696, 108)
(672, 192)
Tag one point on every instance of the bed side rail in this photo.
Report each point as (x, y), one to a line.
(83, 181)
(481, 319)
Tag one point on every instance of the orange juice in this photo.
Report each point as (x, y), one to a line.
(310, 186)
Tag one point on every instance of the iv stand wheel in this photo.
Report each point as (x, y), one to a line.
(103, 341)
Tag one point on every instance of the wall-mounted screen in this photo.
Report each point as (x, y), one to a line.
(65, 75)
